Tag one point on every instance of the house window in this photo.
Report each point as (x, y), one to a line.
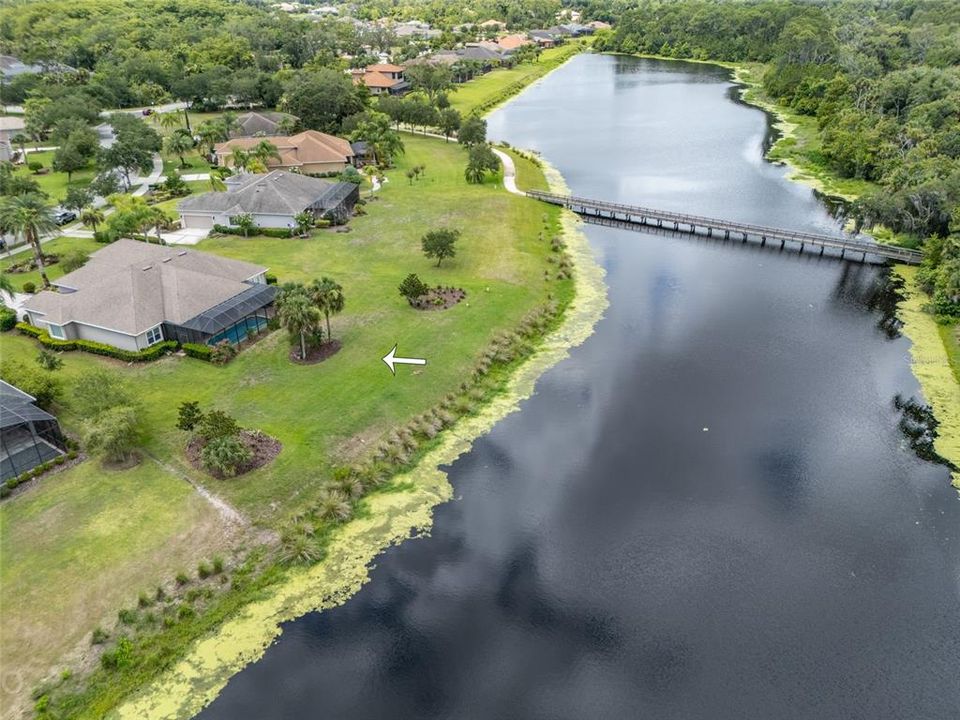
(154, 335)
(56, 331)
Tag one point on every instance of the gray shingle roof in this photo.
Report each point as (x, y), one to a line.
(131, 286)
(266, 122)
(276, 193)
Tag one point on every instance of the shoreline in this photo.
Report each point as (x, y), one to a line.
(930, 367)
(392, 517)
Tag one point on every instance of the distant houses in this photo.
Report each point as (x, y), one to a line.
(272, 200)
(310, 152)
(10, 127)
(132, 295)
(264, 122)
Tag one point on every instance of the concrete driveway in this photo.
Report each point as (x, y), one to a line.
(185, 236)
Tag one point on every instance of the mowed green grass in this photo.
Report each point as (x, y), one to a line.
(82, 543)
(471, 94)
(53, 183)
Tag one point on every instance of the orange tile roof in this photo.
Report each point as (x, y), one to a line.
(309, 146)
(384, 68)
(511, 42)
(379, 80)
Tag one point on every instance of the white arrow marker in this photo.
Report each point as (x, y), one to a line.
(391, 359)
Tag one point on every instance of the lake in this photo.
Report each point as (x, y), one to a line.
(706, 511)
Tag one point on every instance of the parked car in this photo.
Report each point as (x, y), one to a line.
(147, 111)
(62, 216)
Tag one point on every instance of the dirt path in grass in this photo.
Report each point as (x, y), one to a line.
(226, 510)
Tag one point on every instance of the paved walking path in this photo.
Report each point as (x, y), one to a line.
(509, 172)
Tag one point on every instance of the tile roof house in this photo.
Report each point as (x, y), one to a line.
(261, 122)
(274, 200)
(132, 295)
(382, 79)
(310, 152)
(509, 43)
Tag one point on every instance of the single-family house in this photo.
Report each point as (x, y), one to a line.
(382, 79)
(309, 152)
(273, 200)
(599, 25)
(29, 436)
(510, 43)
(263, 122)
(132, 295)
(544, 38)
(10, 126)
(493, 24)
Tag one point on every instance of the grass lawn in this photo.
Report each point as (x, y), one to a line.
(472, 94)
(54, 183)
(196, 187)
(54, 247)
(195, 164)
(951, 341)
(323, 414)
(83, 544)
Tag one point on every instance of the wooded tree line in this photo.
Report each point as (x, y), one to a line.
(882, 78)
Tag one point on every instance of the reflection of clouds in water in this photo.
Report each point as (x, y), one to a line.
(638, 186)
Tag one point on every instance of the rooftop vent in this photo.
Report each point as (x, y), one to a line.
(146, 267)
(166, 260)
(181, 253)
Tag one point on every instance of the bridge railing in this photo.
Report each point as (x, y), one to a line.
(570, 201)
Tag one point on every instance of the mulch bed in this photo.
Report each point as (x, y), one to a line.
(263, 449)
(315, 354)
(439, 298)
(29, 265)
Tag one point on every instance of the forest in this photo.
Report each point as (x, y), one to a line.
(881, 79)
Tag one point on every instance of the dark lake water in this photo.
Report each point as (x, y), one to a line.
(608, 558)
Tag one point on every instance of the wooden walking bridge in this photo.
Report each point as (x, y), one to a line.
(614, 214)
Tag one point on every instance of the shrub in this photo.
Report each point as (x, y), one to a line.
(189, 415)
(144, 600)
(204, 571)
(5, 490)
(182, 578)
(8, 318)
(48, 361)
(225, 455)
(127, 616)
(271, 279)
(99, 637)
(29, 287)
(217, 565)
(217, 424)
(412, 287)
(322, 223)
(120, 657)
(276, 232)
(104, 237)
(35, 166)
(195, 350)
(43, 385)
(223, 352)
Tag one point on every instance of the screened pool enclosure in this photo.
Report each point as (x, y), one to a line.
(29, 436)
(236, 319)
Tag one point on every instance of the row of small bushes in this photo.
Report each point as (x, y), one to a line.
(10, 485)
(505, 93)
(151, 353)
(267, 232)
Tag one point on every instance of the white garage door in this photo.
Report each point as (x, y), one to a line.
(197, 221)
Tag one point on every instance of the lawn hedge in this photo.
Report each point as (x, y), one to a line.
(151, 353)
(196, 350)
(265, 232)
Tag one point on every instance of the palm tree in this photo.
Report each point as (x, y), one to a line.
(210, 133)
(241, 159)
(6, 286)
(168, 119)
(327, 296)
(217, 183)
(158, 221)
(28, 215)
(230, 122)
(92, 217)
(265, 151)
(179, 144)
(286, 125)
(298, 315)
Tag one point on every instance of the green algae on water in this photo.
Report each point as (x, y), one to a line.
(391, 517)
(931, 368)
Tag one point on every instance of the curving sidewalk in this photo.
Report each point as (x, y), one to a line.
(509, 172)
